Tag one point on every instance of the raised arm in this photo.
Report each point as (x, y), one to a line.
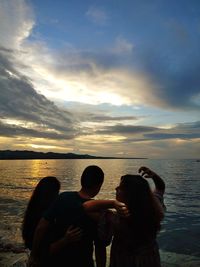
(158, 181)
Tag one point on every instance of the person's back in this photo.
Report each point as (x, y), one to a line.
(68, 210)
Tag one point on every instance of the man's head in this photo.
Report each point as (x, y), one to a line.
(92, 179)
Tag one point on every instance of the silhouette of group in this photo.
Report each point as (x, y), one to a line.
(68, 228)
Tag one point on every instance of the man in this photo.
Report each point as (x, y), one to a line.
(68, 212)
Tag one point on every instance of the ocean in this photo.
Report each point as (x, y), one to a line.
(179, 239)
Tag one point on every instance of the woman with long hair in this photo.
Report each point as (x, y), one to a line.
(42, 197)
(134, 235)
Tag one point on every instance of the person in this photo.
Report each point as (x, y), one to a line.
(66, 211)
(134, 235)
(43, 196)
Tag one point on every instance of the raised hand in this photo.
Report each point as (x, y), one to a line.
(146, 172)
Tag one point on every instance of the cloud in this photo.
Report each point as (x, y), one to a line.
(20, 102)
(161, 136)
(144, 78)
(97, 15)
(8, 130)
(114, 75)
(126, 129)
(189, 126)
(182, 131)
(176, 79)
(105, 118)
(95, 78)
(16, 22)
(158, 76)
(111, 118)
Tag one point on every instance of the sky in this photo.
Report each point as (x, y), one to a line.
(105, 78)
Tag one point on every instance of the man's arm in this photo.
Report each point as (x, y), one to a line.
(98, 205)
(158, 181)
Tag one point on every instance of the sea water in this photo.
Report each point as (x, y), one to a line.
(179, 239)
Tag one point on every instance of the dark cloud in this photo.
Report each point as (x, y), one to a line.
(20, 101)
(184, 131)
(170, 57)
(191, 126)
(3, 49)
(104, 118)
(175, 75)
(9, 130)
(161, 136)
(126, 129)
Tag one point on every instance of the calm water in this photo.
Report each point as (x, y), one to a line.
(180, 235)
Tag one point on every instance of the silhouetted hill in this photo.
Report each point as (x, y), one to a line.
(25, 154)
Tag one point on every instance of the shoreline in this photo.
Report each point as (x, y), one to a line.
(168, 259)
(11, 259)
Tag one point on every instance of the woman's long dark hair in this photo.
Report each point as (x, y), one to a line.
(42, 197)
(146, 214)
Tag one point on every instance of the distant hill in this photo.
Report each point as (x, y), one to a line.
(25, 154)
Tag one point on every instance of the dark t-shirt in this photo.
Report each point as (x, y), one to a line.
(68, 210)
